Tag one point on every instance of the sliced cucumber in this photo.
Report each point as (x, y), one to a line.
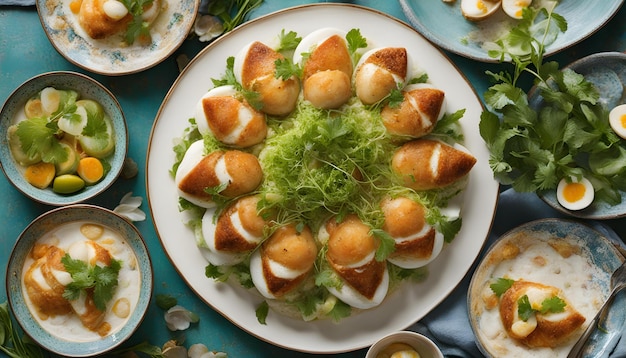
(54, 100)
(16, 148)
(99, 144)
(68, 166)
(33, 108)
(75, 123)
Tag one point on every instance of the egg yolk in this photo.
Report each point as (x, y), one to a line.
(622, 120)
(481, 6)
(573, 192)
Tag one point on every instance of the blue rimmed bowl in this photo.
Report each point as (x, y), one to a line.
(575, 258)
(55, 221)
(87, 88)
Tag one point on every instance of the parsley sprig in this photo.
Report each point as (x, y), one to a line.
(101, 279)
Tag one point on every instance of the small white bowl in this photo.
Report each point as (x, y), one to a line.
(45, 332)
(422, 344)
(87, 88)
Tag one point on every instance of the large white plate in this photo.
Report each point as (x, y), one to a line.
(403, 307)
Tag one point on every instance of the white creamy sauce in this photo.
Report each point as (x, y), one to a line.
(574, 275)
(69, 327)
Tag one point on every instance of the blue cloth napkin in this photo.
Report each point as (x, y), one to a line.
(448, 325)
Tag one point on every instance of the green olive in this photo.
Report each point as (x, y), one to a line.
(67, 184)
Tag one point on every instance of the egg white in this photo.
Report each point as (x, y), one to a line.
(277, 269)
(412, 263)
(617, 120)
(312, 40)
(514, 8)
(414, 86)
(194, 154)
(580, 204)
(478, 9)
(201, 120)
(211, 253)
(373, 67)
(352, 297)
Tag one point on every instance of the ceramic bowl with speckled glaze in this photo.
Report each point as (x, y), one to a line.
(443, 24)
(87, 88)
(111, 55)
(607, 72)
(59, 333)
(569, 256)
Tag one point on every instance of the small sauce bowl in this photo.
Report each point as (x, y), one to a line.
(420, 343)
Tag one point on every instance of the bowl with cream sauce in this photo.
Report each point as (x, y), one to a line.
(545, 276)
(47, 292)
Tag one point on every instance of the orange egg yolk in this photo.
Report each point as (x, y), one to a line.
(622, 120)
(573, 192)
(481, 6)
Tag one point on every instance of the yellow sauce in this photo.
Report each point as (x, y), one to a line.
(398, 350)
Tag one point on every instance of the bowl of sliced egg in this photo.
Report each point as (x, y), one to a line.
(404, 344)
(79, 280)
(599, 192)
(65, 138)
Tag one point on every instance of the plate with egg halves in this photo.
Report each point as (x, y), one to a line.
(601, 193)
(105, 37)
(538, 287)
(407, 302)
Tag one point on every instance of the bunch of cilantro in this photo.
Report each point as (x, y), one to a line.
(563, 132)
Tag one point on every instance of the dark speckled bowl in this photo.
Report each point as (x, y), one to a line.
(607, 71)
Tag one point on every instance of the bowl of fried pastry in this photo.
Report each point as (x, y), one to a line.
(539, 286)
(79, 280)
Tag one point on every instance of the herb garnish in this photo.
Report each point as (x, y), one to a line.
(232, 12)
(501, 285)
(102, 279)
(525, 310)
(11, 343)
(137, 28)
(532, 150)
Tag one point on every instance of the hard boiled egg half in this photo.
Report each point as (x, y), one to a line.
(617, 120)
(575, 194)
(476, 10)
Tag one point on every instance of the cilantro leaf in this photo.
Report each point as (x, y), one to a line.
(340, 310)
(262, 311)
(524, 309)
(285, 69)
(37, 138)
(387, 244)
(288, 41)
(102, 279)
(552, 305)
(501, 286)
(232, 12)
(355, 42)
(137, 27)
(165, 302)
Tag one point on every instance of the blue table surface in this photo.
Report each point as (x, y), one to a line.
(25, 52)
